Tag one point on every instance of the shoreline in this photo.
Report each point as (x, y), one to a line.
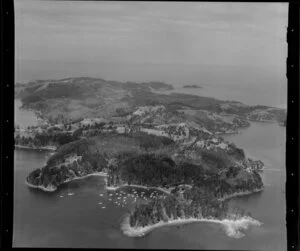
(54, 188)
(48, 148)
(232, 226)
(113, 188)
(101, 174)
(48, 189)
(238, 194)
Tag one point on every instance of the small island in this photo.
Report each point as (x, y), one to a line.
(192, 86)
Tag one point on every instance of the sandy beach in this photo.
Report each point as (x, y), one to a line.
(232, 226)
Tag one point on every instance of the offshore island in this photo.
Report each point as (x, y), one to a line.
(140, 138)
(192, 86)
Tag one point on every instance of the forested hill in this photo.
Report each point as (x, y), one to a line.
(136, 136)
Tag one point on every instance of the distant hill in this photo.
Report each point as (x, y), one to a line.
(192, 86)
(81, 97)
(78, 98)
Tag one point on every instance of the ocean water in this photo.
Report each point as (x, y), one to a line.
(82, 213)
(268, 95)
(250, 85)
(267, 143)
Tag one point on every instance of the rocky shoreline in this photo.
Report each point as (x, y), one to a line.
(49, 188)
(49, 148)
(52, 188)
(241, 193)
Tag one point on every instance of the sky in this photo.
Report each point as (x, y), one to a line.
(148, 40)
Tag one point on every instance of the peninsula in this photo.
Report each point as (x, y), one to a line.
(137, 137)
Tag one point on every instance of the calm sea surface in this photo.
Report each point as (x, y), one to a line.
(268, 95)
(73, 217)
(250, 85)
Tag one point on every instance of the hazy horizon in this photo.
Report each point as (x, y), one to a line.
(221, 44)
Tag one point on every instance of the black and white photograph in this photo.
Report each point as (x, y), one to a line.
(150, 125)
